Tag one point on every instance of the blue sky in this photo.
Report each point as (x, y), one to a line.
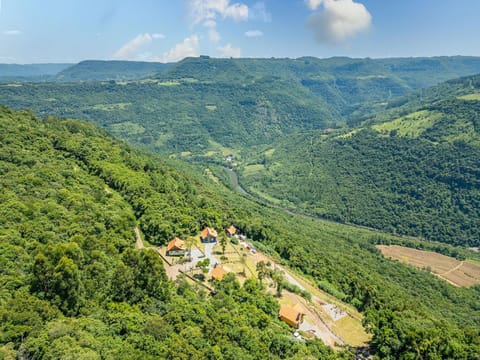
(34, 31)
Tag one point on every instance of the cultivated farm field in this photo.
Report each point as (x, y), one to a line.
(458, 273)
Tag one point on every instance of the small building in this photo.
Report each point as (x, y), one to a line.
(293, 316)
(208, 235)
(218, 273)
(231, 231)
(176, 247)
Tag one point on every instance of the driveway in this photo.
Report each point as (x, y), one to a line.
(197, 256)
(209, 247)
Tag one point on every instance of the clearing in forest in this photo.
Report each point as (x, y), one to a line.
(458, 273)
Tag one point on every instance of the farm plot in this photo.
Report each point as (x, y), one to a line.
(458, 273)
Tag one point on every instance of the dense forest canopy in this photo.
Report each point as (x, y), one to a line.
(71, 195)
(199, 104)
(412, 170)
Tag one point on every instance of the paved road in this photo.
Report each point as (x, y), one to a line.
(209, 254)
(197, 256)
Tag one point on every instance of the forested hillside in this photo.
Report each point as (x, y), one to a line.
(414, 170)
(96, 70)
(202, 104)
(72, 285)
(30, 72)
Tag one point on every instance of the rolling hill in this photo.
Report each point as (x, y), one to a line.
(413, 170)
(71, 195)
(200, 106)
(30, 72)
(96, 70)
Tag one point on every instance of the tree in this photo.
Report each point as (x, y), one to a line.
(278, 277)
(243, 261)
(222, 239)
(67, 286)
(262, 270)
(204, 264)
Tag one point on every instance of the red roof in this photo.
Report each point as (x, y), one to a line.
(232, 230)
(291, 315)
(218, 273)
(209, 232)
(177, 244)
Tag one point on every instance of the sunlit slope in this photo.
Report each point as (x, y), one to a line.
(414, 171)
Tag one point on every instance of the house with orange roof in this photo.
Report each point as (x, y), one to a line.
(292, 315)
(231, 231)
(176, 247)
(208, 235)
(218, 273)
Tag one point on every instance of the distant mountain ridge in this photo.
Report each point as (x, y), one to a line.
(203, 104)
(104, 70)
(30, 72)
(87, 70)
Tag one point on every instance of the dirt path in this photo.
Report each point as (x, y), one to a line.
(313, 321)
(139, 242)
(452, 270)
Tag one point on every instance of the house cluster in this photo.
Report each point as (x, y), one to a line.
(292, 315)
(178, 247)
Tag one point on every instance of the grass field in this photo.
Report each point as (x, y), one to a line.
(470, 97)
(412, 125)
(458, 273)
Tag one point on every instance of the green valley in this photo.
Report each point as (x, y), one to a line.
(71, 195)
(412, 170)
(338, 158)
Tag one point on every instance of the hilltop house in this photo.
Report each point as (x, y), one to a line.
(176, 247)
(293, 316)
(218, 273)
(208, 235)
(231, 231)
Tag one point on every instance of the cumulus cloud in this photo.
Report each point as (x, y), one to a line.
(131, 49)
(229, 51)
(188, 47)
(202, 10)
(338, 20)
(253, 33)
(12, 32)
(208, 12)
(313, 4)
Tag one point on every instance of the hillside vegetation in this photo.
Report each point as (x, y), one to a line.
(413, 170)
(30, 72)
(201, 104)
(72, 286)
(96, 70)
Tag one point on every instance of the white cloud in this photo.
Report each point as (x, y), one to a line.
(253, 33)
(210, 24)
(188, 47)
(236, 12)
(213, 35)
(259, 12)
(12, 32)
(202, 10)
(313, 4)
(208, 12)
(158, 36)
(229, 51)
(338, 20)
(131, 49)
